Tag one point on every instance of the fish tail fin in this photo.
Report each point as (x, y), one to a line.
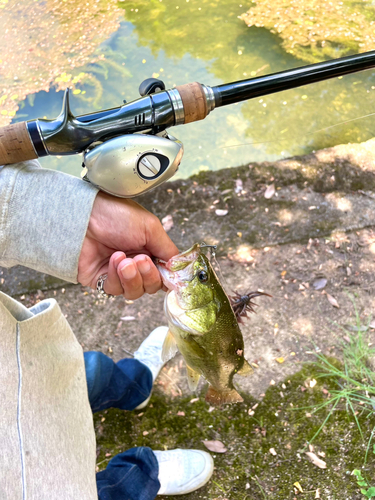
(218, 398)
(169, 347)
(246, 369)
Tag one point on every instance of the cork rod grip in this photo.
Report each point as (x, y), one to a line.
(194, 101)
(15, 144)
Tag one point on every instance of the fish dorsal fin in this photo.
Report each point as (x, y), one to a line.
(193, 378)
(169, 347)
(246, 369)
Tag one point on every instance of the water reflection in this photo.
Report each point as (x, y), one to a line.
(197, 40)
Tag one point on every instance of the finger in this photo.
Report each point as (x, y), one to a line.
(131, 279)
(150, 275)
(158, 242)
(112, 285)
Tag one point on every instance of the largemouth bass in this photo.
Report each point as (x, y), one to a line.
(202, 325)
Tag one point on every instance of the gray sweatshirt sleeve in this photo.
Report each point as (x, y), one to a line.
(44, 216)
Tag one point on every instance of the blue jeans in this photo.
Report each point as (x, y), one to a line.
(132, 475)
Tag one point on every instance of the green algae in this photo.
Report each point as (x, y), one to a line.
(283, 420)
(313, 30)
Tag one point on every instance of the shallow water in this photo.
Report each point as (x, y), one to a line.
(205, 41)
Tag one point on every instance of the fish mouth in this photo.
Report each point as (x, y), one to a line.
(166, 275)
(178, 271)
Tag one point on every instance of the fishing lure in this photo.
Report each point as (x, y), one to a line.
(242, 304)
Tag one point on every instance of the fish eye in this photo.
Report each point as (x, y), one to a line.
(203, 276)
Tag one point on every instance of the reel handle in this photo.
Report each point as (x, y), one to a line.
(16, 144)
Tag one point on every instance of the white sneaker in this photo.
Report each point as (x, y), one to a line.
(183, 471)
(149, 353)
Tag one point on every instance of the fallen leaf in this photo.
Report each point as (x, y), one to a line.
(320, 284)
(270, 191)
(316, 460)
(280, 360)
(332, 301)
(298, 486)
(167, 223)
(216, 446)
(194, 400)
(317, 493)
(220, 212)
(128, 318)
(372, 324)
(239, 186)
(145, 433)
(312, 383)
(181, 413)
(273, 452)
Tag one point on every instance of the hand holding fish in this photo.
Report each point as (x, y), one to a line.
(121, 238)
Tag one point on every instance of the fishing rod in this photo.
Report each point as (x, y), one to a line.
(127, 150)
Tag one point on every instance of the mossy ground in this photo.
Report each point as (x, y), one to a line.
(283, 420)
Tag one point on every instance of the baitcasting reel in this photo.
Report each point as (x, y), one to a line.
(132, 164)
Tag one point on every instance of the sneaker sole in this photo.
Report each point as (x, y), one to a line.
(144, 404)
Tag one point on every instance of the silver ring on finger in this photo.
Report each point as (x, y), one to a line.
(100, 286)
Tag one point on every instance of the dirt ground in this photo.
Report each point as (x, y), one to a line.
(302, 230)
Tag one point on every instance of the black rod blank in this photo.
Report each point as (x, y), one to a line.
(242, 90)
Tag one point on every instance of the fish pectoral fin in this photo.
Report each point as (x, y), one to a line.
(193, 378)
(217, 398)
(246, 369)
(169, 347)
